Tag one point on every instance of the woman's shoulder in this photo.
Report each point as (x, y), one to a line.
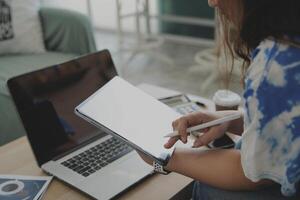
(283, 52)
(276, 70)
(275, 59)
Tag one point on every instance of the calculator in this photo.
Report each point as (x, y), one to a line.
(183, 104)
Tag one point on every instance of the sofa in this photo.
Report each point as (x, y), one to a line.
(67, 34)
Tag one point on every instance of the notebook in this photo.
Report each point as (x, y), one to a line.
(124, 111)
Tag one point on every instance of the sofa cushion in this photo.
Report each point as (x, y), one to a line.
(20, 27)
(13, 65)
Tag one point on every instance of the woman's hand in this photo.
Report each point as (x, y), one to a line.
(209, 134)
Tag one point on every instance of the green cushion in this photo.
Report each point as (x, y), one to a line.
(13, 65)
(67, 31)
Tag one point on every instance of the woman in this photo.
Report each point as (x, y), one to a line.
(268, 164)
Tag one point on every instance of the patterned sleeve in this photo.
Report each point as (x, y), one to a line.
(271, 140)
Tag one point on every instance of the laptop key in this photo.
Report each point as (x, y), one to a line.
(80, 167)
(97, 167)
(99, 161)
(84, 169)
(73, 166)
(85, 174)
(67, 164)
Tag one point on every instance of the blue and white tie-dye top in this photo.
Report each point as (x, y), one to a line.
(271, 140)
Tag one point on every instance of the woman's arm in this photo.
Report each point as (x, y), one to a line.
(218, 168)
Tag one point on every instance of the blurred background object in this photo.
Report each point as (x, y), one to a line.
(179, 51)
(169, 43)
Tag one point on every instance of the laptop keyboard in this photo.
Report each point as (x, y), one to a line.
(97, 157)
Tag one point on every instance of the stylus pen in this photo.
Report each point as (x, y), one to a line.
(192, 130)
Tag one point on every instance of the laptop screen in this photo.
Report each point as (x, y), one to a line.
(45, 100)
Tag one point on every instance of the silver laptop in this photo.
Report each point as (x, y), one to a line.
(66, 146)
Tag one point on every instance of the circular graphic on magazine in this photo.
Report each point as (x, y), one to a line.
(11, 187)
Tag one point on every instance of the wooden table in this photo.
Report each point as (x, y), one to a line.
(17, 158)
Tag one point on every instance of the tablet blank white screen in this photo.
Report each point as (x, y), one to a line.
(132, 114)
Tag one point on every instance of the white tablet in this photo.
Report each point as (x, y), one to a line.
(122, 110)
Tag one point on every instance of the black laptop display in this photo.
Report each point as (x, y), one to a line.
(45, 100)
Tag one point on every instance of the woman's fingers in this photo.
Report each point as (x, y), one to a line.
(209, 135)
(179, 125)
(171, 142)
(203, 140)
(183, 123)
(181, 128)
(190, 120)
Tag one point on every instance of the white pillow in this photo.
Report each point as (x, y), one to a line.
(20, 27)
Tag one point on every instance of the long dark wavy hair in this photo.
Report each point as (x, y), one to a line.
(260, 19)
